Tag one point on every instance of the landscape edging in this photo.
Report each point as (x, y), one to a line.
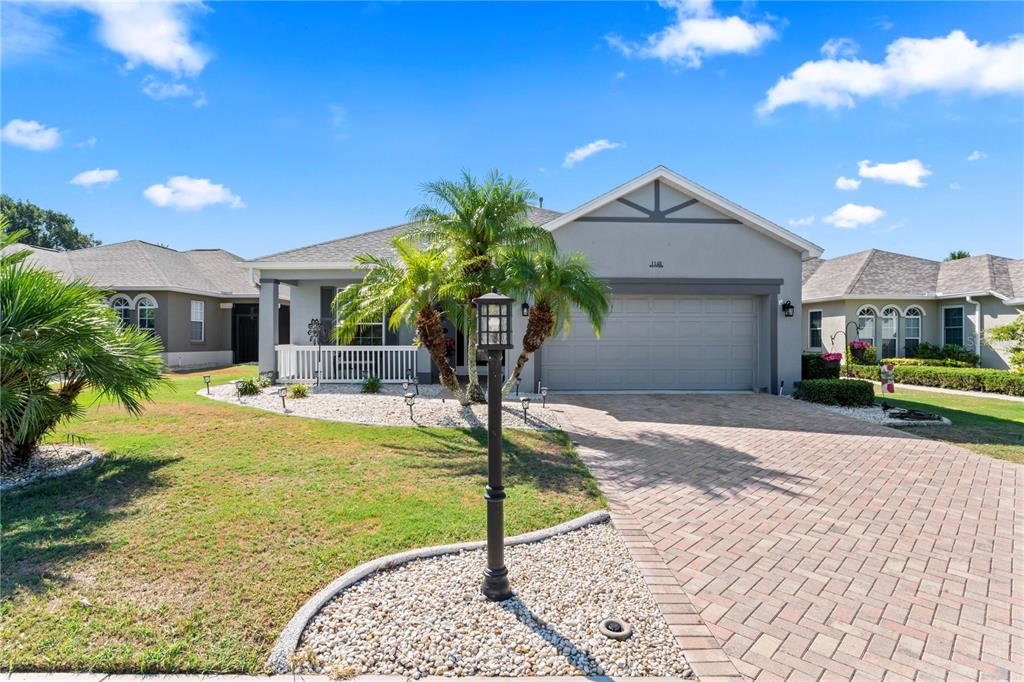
(89, 461)
(287, 642)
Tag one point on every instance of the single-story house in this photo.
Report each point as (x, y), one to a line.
(201, 303)
(897, 302)
(705, 296)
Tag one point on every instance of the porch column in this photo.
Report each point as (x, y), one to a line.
(269, 324)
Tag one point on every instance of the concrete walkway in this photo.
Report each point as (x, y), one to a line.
(814, 546)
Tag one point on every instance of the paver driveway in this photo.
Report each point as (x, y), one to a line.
(812, 545)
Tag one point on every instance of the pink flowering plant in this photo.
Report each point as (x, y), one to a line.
(860, 344)
(831, 357)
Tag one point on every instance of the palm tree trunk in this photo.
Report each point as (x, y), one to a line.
(538, 329)
(473, 389)
(431, 331)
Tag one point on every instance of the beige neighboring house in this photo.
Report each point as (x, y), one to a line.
(897, 302)
(201, 303)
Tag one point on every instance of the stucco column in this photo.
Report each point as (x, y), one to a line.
(269, 319)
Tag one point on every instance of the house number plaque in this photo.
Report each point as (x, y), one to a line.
(655, 264)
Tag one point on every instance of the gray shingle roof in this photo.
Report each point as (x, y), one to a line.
(884, 273)
(375, 243)
(139, 264)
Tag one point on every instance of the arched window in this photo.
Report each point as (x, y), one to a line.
(146, 306)
(911, 331)
(122, 305)
(888, 331)
(866, 324)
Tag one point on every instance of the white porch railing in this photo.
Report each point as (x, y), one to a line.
(345, 364)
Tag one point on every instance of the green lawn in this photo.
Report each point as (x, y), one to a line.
(208, 524)
(986, 425)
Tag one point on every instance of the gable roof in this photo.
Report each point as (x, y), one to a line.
(341, 253)
(136, 264)
(758, 223)
(874, 273)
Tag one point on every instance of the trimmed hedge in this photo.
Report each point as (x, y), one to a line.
(845, 392)
(958, 378)
(928, 362)
(813, 366)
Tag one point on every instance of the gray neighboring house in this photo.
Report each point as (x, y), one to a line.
(201, 303)
(897, 302)
(700, 289)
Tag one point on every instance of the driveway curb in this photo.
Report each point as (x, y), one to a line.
(280, 657)
(195, 677)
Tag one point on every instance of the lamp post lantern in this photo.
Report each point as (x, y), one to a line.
(494, 335)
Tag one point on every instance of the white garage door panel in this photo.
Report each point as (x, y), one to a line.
(659, 342)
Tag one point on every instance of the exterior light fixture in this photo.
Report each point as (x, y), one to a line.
(788, 308)
(410, 400)
(206, 380)
(238, 389)
(283, 391)
(544, 395)
(518, 381)
(494, 335)
(526, 309)
(413, 381)
(526, 406)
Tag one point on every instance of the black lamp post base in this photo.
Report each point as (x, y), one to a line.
(496, 587)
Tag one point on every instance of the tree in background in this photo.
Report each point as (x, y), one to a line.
(1012, 334)
(41, 227)
(957, 255)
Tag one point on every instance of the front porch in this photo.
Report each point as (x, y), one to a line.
(345, 364)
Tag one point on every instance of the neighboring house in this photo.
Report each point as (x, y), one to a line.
(201, 303)
(699, 285)
(897, 302)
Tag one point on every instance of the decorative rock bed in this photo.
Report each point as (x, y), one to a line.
(347, 403)
(427, 617)
(876, 415)
(50, 461)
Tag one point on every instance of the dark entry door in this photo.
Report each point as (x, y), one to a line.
(245, 332)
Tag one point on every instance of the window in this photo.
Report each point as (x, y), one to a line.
(866, 324)
(814, 328)
(122, 305)
(888, 330)
(953, 325)
(911, 331)
(370, 334)
(198, 321)
(147, 313)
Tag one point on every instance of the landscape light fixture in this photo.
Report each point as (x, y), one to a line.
(410, 400)
(206, 380)
(283, 391)
(544, 395)
(413, 381)
(526, 406)
(518, 381)
(494, 335)
(788, 308)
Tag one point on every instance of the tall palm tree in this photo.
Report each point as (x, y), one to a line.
(957, 255)
(57, 339)
(478, 222)
(412, 290)
(557, 283)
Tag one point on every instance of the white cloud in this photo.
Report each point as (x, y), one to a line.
(948, 64)
(87, 143)
(955, 186)
(840, 47)
(801, 222)
(191, 194)
(852, 215)
(23, 32)
(95, 177)
(30, 135)
(847, 184)
(153, 33)
(976, 155)
(907, 173)
(698, 32)
(588, 150)
(158, 90)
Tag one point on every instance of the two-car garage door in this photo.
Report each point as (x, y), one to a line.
(700, 343)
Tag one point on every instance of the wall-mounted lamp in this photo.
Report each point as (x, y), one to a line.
(526, 309)
(788, 308)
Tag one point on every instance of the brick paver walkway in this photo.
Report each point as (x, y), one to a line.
(813, 546)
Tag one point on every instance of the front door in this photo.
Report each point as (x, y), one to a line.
(245, 332)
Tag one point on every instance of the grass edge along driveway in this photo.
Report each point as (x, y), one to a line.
(207, 524)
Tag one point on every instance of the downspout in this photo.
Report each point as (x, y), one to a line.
(978, 331)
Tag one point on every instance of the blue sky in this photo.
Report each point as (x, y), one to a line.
(292, 123)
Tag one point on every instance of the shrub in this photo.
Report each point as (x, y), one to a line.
(926, 362)
(1013, 334)
(845, 392)
(951, 351)
(249, 386)
(371, 384)
(298, 391)
(958, 378)
(263, 381)
(814, 366)
(928, 351)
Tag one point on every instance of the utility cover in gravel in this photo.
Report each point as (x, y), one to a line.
(428, 617)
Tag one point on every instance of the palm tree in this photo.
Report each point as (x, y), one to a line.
(412, 290)
(957, 255)
(58, 339)
(478, 222)
(557, 283)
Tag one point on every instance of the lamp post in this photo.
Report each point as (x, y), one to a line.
(282, 392)
(410, 400)
(315, 332)
(494, 335)
(526, 406)
(544, 395)
(206, 380)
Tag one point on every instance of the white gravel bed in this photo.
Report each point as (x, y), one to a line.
(347, 403)
(876, 415)
(428, 617)
(50, 461)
